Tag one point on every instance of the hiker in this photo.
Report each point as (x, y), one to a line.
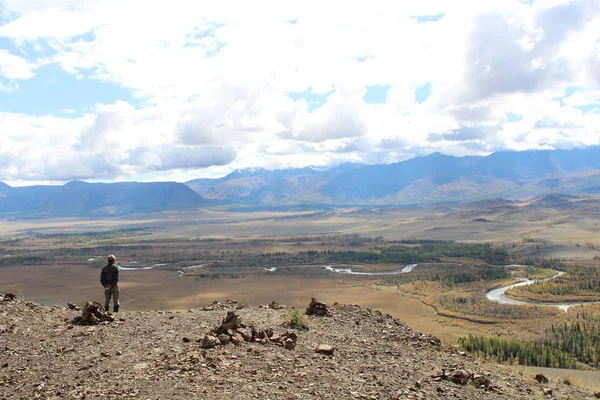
(109, 278)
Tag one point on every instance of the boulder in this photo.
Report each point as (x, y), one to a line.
(209, 341)
(547, 392)
(481, 381)
(246, 333)
(289, 344)
(460, 376)
(541, 378)
(237, 339)
(224, 338)
(325, 349)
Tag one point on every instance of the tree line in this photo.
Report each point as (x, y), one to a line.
(514, 352)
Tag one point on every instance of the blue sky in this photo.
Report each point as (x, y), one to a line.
(209, 90)
(55, 92)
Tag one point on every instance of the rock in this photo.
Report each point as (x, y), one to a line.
(230, 323)
(224, 338)
(289, 339)
(481, 381)
(275, 338)
(5, 365)
(325, 349)
(73, 306)
(246, 333)
(547, 392)
(317, 308)
(541, 378)
(460, 376)
(237, 338)
(209, 341)
(597, 395)
(9, 297)
(186, 340)
(275, 305)
(291, 335)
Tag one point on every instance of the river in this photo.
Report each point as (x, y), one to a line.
(349, 271)
(499, 295)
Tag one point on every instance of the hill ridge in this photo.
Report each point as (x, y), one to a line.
(154, 355)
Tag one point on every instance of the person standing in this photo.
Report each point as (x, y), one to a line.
(109, 278)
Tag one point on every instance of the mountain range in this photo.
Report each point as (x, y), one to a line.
(96, 199)
(429, 179)
(433, 178)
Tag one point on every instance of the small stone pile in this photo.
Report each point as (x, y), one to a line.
(227, 305)
(461, 377)
(232, 330)
(274, 306)
(317, 308)
(93, 314)
(9, 297)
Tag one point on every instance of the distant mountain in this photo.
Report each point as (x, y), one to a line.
(97, 199)
(433, 178)
(256, 186)
(436, 178)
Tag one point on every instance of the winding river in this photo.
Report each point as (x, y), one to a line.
(499, 295)
(349, 271)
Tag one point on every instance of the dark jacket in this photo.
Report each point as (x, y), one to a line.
(109, 275)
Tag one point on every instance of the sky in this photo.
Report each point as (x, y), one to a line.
(150, 90)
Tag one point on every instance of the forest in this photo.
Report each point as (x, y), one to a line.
(578, 284)
(562, 345)
(517, 353)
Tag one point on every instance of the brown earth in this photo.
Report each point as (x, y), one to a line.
(155, 355)
(163, 290)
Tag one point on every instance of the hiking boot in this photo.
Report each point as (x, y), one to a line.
(106, 308)
(116, 309)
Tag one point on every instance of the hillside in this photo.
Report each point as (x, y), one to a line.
(97, 199)
(155, 355)
(433, 178)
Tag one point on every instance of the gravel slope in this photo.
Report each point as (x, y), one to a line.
(142, 355)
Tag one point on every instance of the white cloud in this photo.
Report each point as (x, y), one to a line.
(338, 118)
(583, 98)
(9, 87)
(15, 67)
(213, 79)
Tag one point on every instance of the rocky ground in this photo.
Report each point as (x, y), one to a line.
(363, 354)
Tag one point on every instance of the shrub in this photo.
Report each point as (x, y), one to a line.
(296, 320)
